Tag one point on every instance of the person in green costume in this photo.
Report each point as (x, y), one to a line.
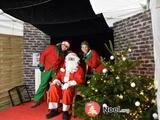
(91, 60)
(51, 60)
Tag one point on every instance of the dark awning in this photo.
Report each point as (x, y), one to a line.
(57, 18)
(63, 19)
(48, 11)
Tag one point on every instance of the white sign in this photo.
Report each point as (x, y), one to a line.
(36, 57)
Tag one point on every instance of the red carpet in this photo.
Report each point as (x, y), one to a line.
(25, 112)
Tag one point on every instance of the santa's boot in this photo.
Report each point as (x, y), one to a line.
(65, 112)
(35, 104)
(65, 115)
(52, 113)
(53, 110)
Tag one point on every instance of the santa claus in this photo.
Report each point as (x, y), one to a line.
(63, 86)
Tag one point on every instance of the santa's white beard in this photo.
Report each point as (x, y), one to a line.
(71, 66)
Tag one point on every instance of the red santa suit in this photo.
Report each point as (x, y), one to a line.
(63, 86)
(93, 62)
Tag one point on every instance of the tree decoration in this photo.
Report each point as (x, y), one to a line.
(137, 103)
(112, 57)
(133, 84)
(155, 115)
(104, 70)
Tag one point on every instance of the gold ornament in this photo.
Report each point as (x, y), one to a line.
(121, 96)
(117, 77)
(142, 93)
(129, 50)
(96, 90)
(118, 53)
(88, 82)
(92, 88)
(124, 58)
(153, 101)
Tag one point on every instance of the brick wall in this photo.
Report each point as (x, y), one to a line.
(137, 31)
(34, 42)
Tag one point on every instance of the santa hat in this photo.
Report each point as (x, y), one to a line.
(66, 43)
(72, 57)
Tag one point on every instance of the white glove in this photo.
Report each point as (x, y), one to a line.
(69, 84)
(57, 82)
(65, 86)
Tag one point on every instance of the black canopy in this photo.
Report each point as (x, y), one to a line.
(61, 19)
(48, 11)
(57, 17)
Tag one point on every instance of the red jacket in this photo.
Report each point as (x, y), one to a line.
(50, 57)
(93, 62)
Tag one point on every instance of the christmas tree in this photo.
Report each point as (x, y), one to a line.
(121, 96)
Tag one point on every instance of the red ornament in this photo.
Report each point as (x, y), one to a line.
(92, 108)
